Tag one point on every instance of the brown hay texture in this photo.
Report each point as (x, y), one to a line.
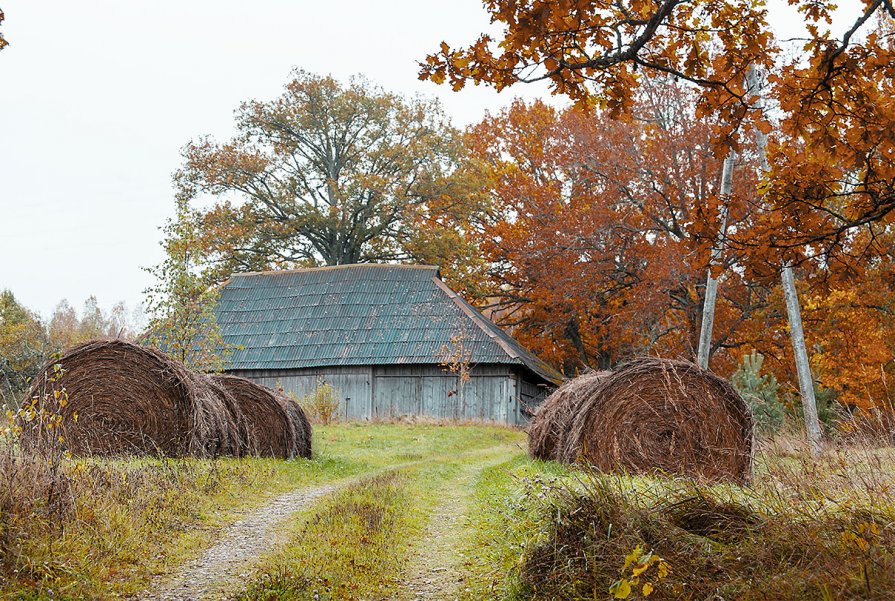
(300, 424)
(130, 400)
(239, 442)
(554, 417)
(661, 415)
(271, 429)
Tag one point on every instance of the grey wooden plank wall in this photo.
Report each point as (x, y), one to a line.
(382, 392)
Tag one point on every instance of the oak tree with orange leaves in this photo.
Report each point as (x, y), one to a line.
(831, 145)
(600, 231)
(829, 168)
(599, 234)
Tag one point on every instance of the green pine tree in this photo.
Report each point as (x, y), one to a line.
(761, 391)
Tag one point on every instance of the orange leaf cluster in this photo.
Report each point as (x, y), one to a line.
(3, 42)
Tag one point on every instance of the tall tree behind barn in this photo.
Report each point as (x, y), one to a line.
(333, 174)
(384, 336)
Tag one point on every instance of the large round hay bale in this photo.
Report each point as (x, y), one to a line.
(128, 400)
(300, 423)
(661, 415)
(271, 430)
(553, 418)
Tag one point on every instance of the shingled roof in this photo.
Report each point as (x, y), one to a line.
(357, 315)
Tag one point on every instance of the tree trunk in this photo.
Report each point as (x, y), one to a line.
(711, 283)
(793, 311)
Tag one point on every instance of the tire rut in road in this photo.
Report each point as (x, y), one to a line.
(437, 570)
(232, 556)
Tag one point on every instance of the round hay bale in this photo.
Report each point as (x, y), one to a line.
(554, 417)
(661, 415)
(129, 400)
(238, 443)
(271, 431)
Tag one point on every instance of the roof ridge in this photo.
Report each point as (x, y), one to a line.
(494, 331)
(334, 267)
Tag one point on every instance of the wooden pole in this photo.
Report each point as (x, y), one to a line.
(803, 367)
(711, 283)
(793, 310)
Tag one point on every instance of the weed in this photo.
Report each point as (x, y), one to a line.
(808, 528)
(322, 405)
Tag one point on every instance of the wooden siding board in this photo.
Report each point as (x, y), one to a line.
(493, 392)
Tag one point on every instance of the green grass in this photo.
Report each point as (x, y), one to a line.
(504, 524)
(817, 529)
(355, 544)
(350, 546)
(130, 519)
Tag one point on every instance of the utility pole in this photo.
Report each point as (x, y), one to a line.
(793, 311)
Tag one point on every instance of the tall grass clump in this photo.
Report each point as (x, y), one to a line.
(806, 529)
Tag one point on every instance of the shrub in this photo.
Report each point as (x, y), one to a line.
(322, 405)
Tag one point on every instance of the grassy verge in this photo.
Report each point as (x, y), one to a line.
(122, 521)
(504, 522)
(805, 529)
(96, 529)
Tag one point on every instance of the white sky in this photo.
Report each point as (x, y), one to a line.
(98, 96)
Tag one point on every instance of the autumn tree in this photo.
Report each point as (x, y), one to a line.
(181, 304)
(829, 153)
(599, 231)
(23, 346)
(66, 328)
(828, 171)
(330, 174)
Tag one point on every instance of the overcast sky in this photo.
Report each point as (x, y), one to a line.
(98, 96)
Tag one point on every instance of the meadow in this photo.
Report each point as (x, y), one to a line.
(454, 511)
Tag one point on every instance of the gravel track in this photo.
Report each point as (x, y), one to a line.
(230, 559)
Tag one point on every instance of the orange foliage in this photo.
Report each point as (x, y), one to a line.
(3, 42)
(603, 240)
(832, 144)
(600, 233)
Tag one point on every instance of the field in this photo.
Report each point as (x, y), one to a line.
(407, 511)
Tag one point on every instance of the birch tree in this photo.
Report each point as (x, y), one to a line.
(181, 303)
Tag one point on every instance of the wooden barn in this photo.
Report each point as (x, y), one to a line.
(386, 337)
